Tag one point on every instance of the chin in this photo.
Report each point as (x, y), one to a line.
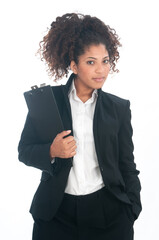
(99, 85)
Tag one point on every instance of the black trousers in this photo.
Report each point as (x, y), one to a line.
(96, 216)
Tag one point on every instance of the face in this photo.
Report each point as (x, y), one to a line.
(92, 68)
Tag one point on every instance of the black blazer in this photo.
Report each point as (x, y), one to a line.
(114, 147)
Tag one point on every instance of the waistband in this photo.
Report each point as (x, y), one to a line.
(90, 195)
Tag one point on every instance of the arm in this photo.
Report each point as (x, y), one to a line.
(31, 151)
(34, 153)
(126, 162)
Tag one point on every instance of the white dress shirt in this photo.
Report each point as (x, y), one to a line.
(84, 176)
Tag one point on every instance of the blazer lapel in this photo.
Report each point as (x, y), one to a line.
(67, 115)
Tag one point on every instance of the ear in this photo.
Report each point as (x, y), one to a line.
(73, 67)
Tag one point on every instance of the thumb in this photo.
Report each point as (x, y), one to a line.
(64, 133)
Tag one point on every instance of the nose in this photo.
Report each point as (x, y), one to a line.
(99, 68)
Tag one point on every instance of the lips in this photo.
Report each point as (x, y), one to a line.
(99, 79)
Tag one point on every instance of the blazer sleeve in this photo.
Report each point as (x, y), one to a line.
(126, 162)
(34, 153)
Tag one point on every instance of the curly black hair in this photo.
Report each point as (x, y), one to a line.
(68, 38)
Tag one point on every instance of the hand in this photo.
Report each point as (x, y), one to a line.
(63, 147)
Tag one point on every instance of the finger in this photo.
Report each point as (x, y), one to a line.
(69, 139)
(64, 133)
(73, 153)
(71, 143)
(73, 148)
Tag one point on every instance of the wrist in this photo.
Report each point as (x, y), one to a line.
(52, 154)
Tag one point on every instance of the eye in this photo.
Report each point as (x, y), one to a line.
(90, 62)
(106, 61)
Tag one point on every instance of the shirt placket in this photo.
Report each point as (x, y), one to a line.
(81, 143)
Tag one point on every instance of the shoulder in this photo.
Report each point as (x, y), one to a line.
(115, 100)
(113, 104)
(57, 90)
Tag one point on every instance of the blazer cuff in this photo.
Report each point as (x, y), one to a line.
(52, 160)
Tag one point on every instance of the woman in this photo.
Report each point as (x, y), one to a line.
(89, 187)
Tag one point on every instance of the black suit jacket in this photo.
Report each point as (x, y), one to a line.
(114, 147)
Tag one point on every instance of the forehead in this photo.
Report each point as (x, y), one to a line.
(95, 50)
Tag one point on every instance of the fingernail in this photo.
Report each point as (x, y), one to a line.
(68, 131)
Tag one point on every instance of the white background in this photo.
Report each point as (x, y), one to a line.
(22, 26)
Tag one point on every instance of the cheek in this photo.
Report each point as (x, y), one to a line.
(107, 70)
(85, 71)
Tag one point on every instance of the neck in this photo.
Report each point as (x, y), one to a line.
(83, 93)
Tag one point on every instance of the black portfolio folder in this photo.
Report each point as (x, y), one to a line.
(44, 112)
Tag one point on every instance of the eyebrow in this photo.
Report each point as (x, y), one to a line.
(96, 58)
